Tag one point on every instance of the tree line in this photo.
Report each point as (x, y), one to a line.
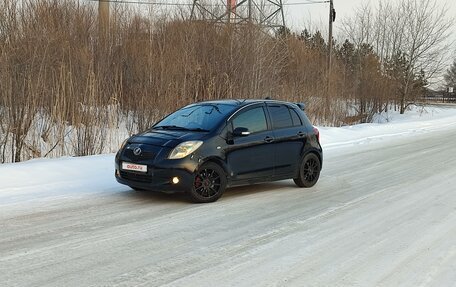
(66, 90)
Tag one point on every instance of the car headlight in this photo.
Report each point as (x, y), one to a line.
(184, 149)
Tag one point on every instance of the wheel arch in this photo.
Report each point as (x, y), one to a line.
(219, 162)
(317, 153)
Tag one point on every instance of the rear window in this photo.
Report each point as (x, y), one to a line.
(280, 116)
(307, 122)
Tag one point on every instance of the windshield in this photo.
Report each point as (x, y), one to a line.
(202, 117)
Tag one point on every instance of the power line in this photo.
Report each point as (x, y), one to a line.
(141, 2)
(305, 3)
(190, 4)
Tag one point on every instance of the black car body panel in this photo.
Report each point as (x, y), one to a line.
(280, 136)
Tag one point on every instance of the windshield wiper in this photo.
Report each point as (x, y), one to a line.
(170, 128)
(198, 130)
(177, 128)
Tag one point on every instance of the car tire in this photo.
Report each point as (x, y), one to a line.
(309, 171)
(209, 183)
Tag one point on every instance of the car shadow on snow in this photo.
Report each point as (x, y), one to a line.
(230, 193)
(257, 189)
(155, 196)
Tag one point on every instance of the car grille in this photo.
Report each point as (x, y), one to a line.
(133, 176)
(146, 154)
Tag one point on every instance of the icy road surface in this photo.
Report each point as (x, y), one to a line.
(382, 214)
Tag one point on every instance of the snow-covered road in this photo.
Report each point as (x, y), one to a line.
(382, 214)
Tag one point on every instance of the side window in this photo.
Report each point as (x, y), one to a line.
(280, 116)
(296, 119)
(254, 120)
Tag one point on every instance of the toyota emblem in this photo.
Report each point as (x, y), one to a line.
(137, 151)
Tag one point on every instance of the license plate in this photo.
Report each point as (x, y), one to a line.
(134, 167)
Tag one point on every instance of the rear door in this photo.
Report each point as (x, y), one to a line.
(289, 138)
(251, 157)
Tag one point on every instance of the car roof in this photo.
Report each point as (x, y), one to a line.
(242, 102)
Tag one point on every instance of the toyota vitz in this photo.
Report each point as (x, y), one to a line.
(206, 147)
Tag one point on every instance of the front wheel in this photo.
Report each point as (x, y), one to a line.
(209, 183)
(309, 171)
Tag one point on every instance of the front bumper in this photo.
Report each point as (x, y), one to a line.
(159, 177)
(156, 180)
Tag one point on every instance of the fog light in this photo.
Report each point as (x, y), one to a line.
(175, 180)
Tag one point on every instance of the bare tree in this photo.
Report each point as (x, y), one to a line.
(426, 33)
(416, 29)
(450, 76)
(62, 92)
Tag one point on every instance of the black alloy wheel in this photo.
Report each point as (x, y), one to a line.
(209, 183)
(309, 171)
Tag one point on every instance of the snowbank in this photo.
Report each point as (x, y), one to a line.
(392, 124)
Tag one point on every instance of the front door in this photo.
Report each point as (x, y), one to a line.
(251, 157)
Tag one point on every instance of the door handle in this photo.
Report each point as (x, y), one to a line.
(301, 134)
(268, 139)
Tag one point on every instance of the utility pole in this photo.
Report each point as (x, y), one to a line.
(332, 18)
(103, 19)
(250, 11)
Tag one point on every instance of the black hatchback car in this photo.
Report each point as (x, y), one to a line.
(206, 147)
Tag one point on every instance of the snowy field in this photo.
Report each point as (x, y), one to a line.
(382, 214)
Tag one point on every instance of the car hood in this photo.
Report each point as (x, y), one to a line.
(165, 138)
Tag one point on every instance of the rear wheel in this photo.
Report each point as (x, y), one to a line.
(209, 183)
(309, 171)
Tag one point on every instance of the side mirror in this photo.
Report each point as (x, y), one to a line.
(241, 132)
